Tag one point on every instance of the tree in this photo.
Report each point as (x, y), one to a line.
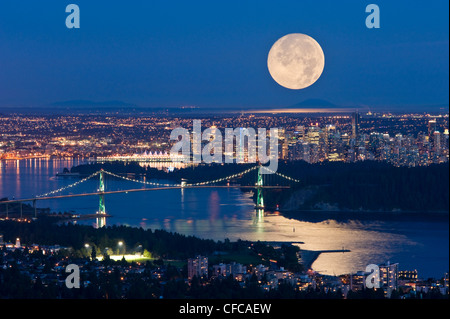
(107, 260)
(93, 253)
(147, 254)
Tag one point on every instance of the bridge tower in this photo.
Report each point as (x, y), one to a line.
(101, 189)
(101, 221)
(259, 184)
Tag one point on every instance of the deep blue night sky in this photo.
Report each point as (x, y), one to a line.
(214, 53)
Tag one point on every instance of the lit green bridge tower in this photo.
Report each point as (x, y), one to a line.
(101, 189)
(259, 184)
(101, 221)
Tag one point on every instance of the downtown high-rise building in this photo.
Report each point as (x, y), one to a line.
(437, 143)
(355, 125)
(432, 127)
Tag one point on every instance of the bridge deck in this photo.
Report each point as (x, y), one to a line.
(136, 190)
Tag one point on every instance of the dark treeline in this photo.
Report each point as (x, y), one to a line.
(191, 174)
(161, 243)
(115, 167)
(369, 186)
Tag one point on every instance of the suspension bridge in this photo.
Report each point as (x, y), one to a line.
(156, 186)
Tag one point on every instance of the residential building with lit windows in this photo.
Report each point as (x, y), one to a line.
(389, 277)
(197, 267)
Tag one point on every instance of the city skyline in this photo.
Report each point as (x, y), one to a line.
(400, 139)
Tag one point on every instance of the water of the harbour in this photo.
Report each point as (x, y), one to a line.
(413, 241)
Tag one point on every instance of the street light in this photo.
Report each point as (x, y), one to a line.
(121, 244)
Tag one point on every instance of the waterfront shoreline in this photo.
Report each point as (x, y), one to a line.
(308, 257)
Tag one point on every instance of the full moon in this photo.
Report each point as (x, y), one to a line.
(296, 61)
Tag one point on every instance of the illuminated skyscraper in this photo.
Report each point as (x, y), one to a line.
(332, 144)
(313, 135)
(431, 128)
(241, 151)
(306, 153)
(300, 132)
(355, 124)
(437, 143)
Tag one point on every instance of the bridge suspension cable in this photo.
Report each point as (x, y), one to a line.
(142, 182)
(224, 178)
(68, 186)
(281, 175)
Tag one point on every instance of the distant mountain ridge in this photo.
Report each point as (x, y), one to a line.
(88, 103)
